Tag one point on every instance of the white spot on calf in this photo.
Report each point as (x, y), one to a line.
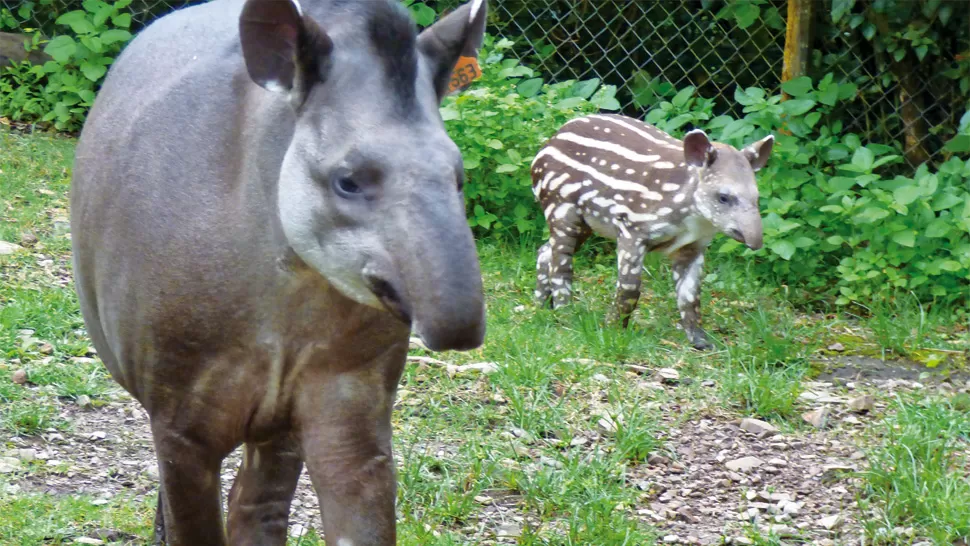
(663, 211)
(569, 189)
(670, 187)
(663, 165)
(602, 162)
(679, 198)
(586, 196)
(614, 167)
(630, 171)
(345, 542)
(556, 182)
(563, 210)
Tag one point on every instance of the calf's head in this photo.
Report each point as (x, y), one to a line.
(727, 193)
(370, 190)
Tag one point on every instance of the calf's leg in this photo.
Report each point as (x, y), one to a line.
(687, 264)
(543, 286)
(567, 235)
(629, 262)
(259, 501)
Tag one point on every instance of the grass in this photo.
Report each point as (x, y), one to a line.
(527, 438)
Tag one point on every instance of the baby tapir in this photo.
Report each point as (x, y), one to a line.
(629, 181)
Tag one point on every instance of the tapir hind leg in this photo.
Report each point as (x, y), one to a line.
(629, 262)
(259, 501)
(567, 235)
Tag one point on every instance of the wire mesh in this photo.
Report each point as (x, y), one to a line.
(642, 46)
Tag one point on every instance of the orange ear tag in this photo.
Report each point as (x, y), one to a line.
(466, 71)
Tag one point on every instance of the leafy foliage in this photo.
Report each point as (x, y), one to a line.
(62, 90)
(500, 123)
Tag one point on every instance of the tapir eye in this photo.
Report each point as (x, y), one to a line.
(725, 198)
(345, 187)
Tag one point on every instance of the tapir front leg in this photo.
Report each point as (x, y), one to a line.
(345, 431)
(629, 263)
(568, 232)
(259, 502)
(688, 263)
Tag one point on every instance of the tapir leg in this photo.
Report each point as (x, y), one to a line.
(345, 432)
(629, 262)
(687, 266)
(259, 501)
(189, 496)
(543, 286)
(567, 235)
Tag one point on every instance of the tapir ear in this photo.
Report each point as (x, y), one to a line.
(459, 34)
(698, 150)
(284, 51)
(758, 152)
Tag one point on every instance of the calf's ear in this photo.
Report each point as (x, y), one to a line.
(698, 150)
(458, 34)
(284, 51)
(759, 152)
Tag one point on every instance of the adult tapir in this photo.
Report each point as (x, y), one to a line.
(265, 204)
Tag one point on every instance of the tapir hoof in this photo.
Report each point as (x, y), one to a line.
(701, 343)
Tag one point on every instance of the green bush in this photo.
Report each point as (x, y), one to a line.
(62, 90)
(499, 124)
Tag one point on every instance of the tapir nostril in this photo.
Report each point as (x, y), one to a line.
(390, 297)
(736, 235)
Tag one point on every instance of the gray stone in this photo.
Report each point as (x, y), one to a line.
(757, 426)
(744, 464)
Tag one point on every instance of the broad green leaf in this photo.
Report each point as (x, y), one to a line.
(951, 265)
(783, 248)
(681, 98)
(797, 107)
(506, 168)
(61, 48)
(906, 194)
(570, 103)
(959, 144)
(830, 96)
(907, 237)
(835, 240)
(93, 72)
(840, 8)
(863, 159)
(921, 52)
(746, 14)
(122, 20)
(798, 86)
(803, 242)
(495, 144)
(937, 228)
(115, 36)
(423, 15)
(584, 89)
(529, 88)
(77, 20)
(471, 162)
(945, 201)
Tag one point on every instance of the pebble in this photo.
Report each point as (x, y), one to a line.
(671, 539)
(862, 404)
(757, 426)
(297, 530)
(830, 522)
(668, 375)
(9, 248)
(744, 464)
(9, 464)
(817, 418)
(46, 348)
(19, 377)
(600, 378)
(84, 402)
(27, 455)
(509, 530)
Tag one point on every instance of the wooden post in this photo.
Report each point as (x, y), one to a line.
(798, 38)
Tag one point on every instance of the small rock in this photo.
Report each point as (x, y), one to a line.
(657, 460)
(46, 348)
(744, 541)
(857, 455)
(97, 435)
(777, 462)
(671, 539)
(757, 426)
(519, 308)
(19, 377)
(607, 424)
(791, 508)
(817, 418)
(708, 383)
(509, 530)
(668, 375)
(9, 248)
(862, 404)
(9, 464)
(62, 225)
(485, 368)
(298, 530)
(751, 495)
(28, 239)
(26, 455)
(830, 522)
(744, 464)
(84, 402)
(86, 540)
(600, 378)
(837, 347)
(826, 542)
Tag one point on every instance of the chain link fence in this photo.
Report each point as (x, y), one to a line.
(649, 47)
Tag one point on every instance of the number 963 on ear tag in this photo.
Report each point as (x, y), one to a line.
(466, 71)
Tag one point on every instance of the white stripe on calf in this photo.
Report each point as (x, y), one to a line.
(570, 189)
(608, 146)
(644, 134)
(556, 182)
(614, 183)
(563, 210)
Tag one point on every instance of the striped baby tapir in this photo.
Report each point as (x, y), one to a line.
(629, 181)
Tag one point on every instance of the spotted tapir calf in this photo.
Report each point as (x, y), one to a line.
(629, 181)
(265, 206)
